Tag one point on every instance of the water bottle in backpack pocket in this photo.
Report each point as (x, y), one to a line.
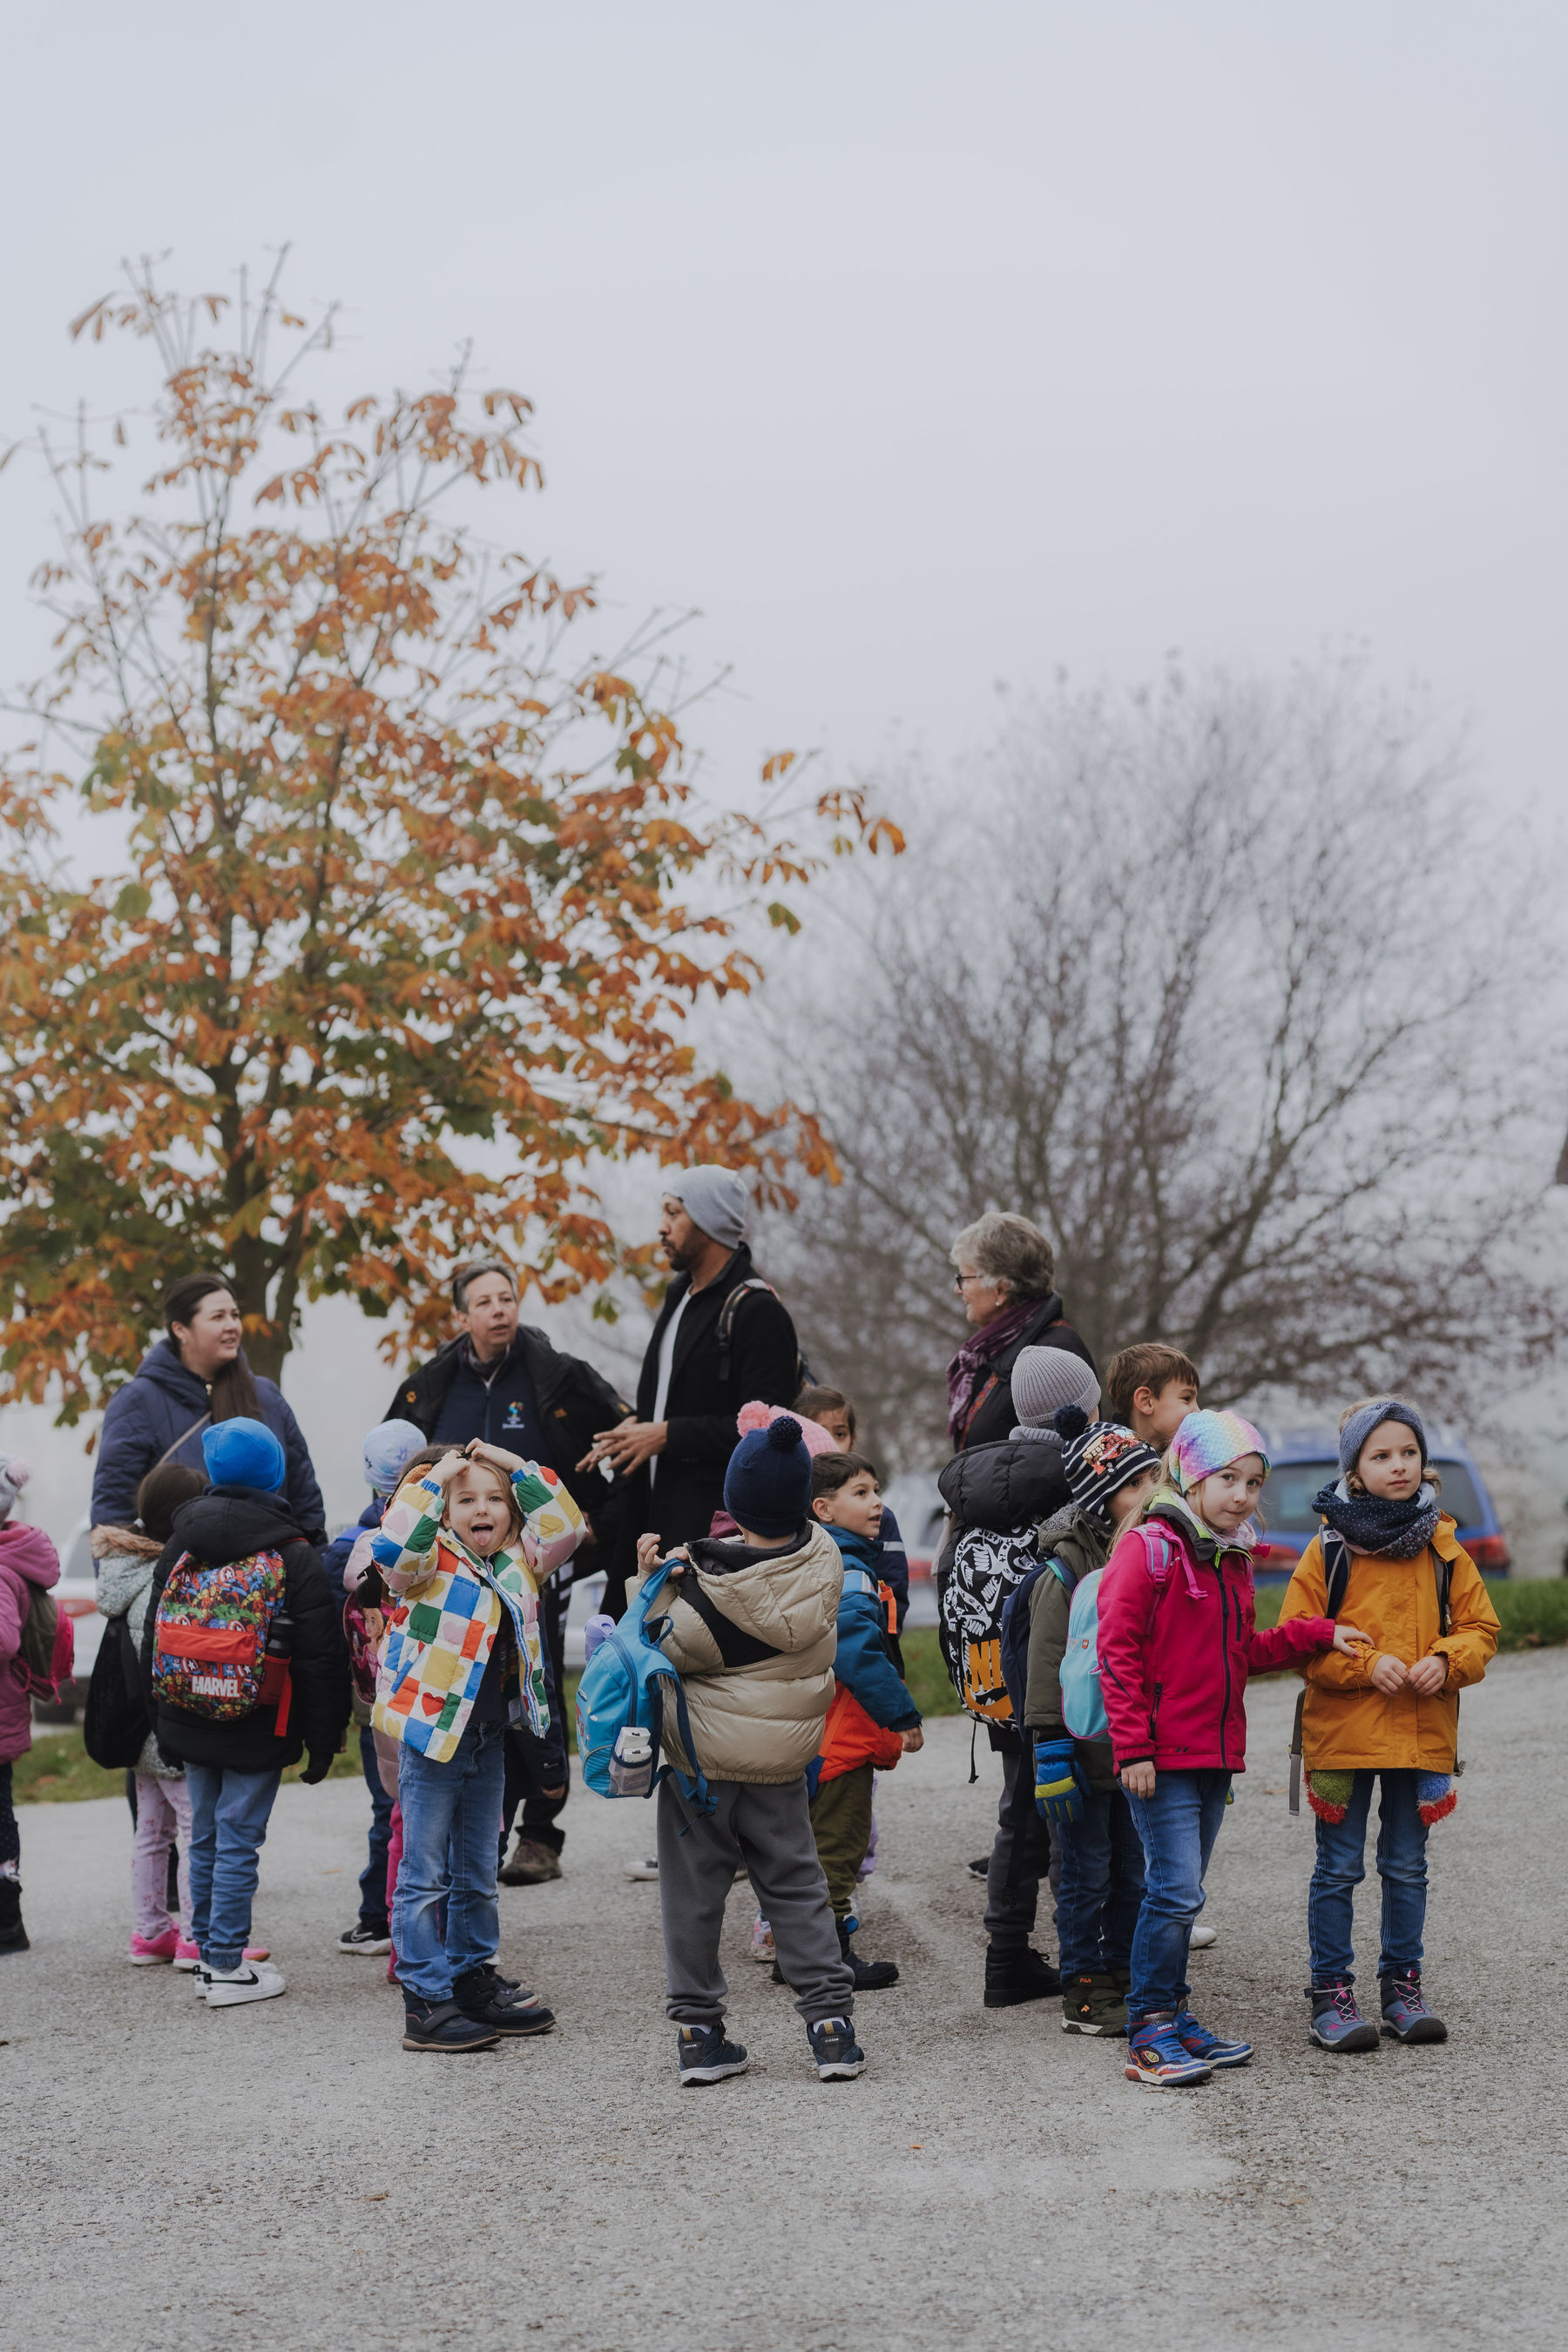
(626, 1686)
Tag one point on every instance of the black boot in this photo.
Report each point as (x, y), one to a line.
(870, 1975)
(12, 1935)
(1017, 1973)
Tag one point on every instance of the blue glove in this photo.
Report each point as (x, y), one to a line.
(1058, 1782)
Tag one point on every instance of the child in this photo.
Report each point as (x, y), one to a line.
(835, 1412)
(233, 1764)
(1177, 1639)
(125, 1558)
(463, 1547)
(388, 1449)
(1389, 1713)
(752, 1630)
(1018, 1482)
(1111, 1475)
(873, 1720)
(1149, 1389)
(28, 1564)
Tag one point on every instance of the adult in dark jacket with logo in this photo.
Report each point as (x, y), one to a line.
(233, 1767)
(706, 1358)
(195, 1377)
(499, 1380)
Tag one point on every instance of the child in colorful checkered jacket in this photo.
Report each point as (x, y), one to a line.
(463, 1549)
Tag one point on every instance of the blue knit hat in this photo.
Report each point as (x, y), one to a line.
(387, 1449)
(244, 1453)
(767, 1486)
(1360, 1426)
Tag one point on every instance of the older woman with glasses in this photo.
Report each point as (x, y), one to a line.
(1006, 1279)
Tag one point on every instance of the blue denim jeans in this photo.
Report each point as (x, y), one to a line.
(451, 1823)
(1341, 1865)
(1178, 1825)
(1101, 1886)
(372, 1877)
(230, 1814)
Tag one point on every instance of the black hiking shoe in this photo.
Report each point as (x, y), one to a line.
(839, 2057)
(1017, 1973)
(484, 1996)
(12, 1935)
(706, 2056)
(442, 2026)
(870, 1976)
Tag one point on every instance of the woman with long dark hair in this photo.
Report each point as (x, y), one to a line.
(195, 1375)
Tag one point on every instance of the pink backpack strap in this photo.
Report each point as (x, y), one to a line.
(1161, 1551)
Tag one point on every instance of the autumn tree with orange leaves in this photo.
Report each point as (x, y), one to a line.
(395, 874)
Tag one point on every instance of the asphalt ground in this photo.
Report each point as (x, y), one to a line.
(285, 2175)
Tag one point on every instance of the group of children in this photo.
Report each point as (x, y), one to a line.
(783, 1627)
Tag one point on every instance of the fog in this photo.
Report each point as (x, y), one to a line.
(922, 351)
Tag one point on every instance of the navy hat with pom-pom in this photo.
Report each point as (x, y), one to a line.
(1099, 1456)
(767, 1486)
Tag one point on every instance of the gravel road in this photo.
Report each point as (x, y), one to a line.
(284, 2175)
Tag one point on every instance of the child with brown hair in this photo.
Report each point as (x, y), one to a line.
(1149, 1389)
(1387, 1713)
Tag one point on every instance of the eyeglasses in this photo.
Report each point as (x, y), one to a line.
(961, 1281)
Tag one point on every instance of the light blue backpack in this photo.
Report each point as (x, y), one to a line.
(1083, 1701)
(629, 1681)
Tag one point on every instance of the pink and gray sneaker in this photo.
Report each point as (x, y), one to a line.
(1405, 2011)
(148, 1952)
(1336, 2022)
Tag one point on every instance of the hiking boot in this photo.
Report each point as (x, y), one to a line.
(482, 1995)
(1091, 2004)
(372, 1941)
(532, 1864)
(870, 1976)
(249, 1980)
(706, 2056)
(1336, 2022)
(442, 2026)
(1405, 2011)
(839, 2057)
(1212, 2047)
(1157, 2058)
(152, 1951)
(1017, 1973)
(12, 1935)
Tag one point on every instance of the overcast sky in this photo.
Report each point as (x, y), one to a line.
(919, 347)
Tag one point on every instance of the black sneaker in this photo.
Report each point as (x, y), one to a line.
(1016, 1974)
(482, 1996)
(509, 1988)
(981, 1866)
(706, 2056)
(12, 1935)
(375, 1943)
(870, 1976)
(839, 2057)
(442, 2026)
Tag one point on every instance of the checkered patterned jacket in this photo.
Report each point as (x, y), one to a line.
(447, 1605)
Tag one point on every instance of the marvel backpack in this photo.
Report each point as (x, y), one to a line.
(629, 1681)
(210, 1640)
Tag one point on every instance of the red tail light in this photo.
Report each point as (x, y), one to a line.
(1490, 1554)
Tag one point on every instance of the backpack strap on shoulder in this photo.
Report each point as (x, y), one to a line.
(728, 1312)
(1336, 1570)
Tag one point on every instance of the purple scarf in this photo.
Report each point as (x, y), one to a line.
(967, 1371)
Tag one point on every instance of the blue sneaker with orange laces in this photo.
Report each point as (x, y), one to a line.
(1199, 2043)
(1157, 2058)
(1405, 2011)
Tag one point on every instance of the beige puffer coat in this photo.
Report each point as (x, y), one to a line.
(760, 1722)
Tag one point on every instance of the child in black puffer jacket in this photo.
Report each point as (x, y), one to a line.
(233, 1766)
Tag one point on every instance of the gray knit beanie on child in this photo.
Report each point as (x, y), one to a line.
(1047, 1378)
(1360, 1426)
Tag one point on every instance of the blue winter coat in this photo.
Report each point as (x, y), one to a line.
(861, 1661)
(151, 1410)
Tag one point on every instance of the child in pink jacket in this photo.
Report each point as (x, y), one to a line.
(28, 1564)
(1177, 1638)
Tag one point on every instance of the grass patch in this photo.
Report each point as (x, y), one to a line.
(1531, 1612)
(924, 1671)
(57, 1771)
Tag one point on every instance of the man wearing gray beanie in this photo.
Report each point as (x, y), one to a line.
(723, 1337)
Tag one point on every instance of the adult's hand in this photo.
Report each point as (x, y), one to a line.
(628, 1446)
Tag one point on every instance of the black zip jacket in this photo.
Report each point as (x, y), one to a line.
(572, 1400)
(1013, 1484)
(229, 1523)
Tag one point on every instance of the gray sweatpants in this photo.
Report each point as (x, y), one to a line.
(767, 1827)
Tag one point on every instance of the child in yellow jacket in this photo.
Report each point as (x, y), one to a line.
(1387, 1713)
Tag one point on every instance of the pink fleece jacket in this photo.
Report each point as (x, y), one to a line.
(27, 1559)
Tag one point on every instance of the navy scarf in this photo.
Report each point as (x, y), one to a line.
(1370, 1523)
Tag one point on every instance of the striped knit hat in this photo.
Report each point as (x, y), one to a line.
(1206, 1442)
(1099, 1457)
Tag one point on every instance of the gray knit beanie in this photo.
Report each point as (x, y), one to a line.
(1360, 1426)
(1046, 1378)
